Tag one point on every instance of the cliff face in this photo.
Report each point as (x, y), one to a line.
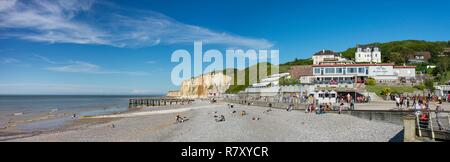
(204, 86)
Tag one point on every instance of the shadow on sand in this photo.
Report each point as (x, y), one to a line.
(398, 137)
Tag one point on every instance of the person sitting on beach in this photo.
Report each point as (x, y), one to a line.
(179, 119)
(290, 107)
(220, 119)
(243, 113)
(318, 110)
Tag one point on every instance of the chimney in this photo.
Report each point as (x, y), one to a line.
(323, 51)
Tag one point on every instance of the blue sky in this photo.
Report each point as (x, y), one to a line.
(124, 47)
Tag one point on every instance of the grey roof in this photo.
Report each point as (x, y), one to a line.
(326, 52)
(366, 46)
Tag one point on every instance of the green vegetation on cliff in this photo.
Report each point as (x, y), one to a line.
(398, 51)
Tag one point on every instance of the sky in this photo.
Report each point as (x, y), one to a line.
(125, 47)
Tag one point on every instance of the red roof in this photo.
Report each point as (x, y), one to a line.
(345, 65)
(406, 67)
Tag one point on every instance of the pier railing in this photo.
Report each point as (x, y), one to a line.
(149, 102)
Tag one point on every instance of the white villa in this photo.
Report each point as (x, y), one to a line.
(368, 54)
(329, 57)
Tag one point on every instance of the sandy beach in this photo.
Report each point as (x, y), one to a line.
(157, 124)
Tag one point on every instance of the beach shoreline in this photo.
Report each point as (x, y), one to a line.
(278, 125)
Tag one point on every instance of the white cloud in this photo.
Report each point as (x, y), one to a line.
(9, 61)
(76, 67)
(151, 62)
(13, 62)
(70, 21)
(45, 59)
(86, 67)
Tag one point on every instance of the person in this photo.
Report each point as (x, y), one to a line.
(348, 97)
(220, 119)
(417, 108)
(290, 107)
(318, 110)
(407, 102)
(179, 119)
(341, 107)
(352, 105)
(74, 116)
(397, 101)
(438, 112)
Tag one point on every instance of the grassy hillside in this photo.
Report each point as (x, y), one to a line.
(393, 52)
(397, 52)
(236, 88)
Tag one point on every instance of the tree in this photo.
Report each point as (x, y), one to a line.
(429, 84)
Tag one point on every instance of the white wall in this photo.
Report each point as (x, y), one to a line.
(381, 70)
(406, 72)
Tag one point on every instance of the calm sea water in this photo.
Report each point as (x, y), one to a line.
(31, 105)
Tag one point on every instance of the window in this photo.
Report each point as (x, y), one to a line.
(359, 55)
(339, 70)
(329, 70)
(361, 70)
(351, 70)
(316, 70)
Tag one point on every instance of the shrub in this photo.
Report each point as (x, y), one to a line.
(386, 91)
(371, 81)
(420, 87)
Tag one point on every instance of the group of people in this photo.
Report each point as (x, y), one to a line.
(423, 112)
(350, 99)
(415, 102)
(318, 109)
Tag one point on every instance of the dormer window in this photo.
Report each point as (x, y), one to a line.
(359, 49)
(368, 50)
(375, 49)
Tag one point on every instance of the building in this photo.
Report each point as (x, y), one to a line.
(328, 57)
(173, 94)
(358, 73)
(446, 52)
(272, 80)
(419, 57)
(368, 54)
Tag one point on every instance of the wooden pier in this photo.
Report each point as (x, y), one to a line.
(147, 102)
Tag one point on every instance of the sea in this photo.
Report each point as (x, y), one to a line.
(27, 107)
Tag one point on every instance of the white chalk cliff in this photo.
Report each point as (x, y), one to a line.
(206, 85)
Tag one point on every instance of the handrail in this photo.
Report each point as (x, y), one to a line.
(418, 125)
(431, 126)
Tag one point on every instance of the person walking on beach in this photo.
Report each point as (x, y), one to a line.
(397, 101)
(438, 112)
(352, 105)
(341, 107)
(407, 102)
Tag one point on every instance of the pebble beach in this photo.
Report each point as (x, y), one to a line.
(158, 124)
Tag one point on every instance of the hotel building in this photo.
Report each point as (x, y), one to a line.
(360, 72)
